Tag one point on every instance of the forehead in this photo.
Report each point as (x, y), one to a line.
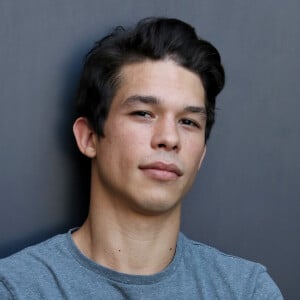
(163, 79)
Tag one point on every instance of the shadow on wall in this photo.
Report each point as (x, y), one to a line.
(79, 191)
(77, 167)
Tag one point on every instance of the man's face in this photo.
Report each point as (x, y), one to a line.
(154, 138)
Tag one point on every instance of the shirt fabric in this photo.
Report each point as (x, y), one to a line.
(56, 269)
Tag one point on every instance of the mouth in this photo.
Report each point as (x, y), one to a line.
(162, 171)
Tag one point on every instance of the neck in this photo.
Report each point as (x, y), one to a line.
(127, 241)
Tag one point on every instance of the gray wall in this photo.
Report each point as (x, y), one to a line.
(246, 198)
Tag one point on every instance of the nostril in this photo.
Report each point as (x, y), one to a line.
(175, 147)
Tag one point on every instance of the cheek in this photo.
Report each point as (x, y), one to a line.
(194, 153)
(132, 135)
(126, 146)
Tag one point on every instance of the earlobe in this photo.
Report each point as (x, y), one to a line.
(202, 157)
(85, 137)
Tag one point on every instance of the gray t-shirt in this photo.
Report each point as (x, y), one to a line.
(56, 269)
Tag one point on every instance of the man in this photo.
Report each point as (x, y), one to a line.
(146, 107)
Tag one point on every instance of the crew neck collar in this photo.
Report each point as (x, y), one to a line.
(113, 275)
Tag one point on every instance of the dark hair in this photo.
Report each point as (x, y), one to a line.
(155, 39)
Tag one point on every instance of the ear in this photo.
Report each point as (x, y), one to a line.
(202, 157)
(85, 137)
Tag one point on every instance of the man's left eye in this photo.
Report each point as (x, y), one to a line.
(189, 123)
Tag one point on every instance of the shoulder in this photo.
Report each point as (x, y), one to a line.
(32, 264)
(236, 273)
(210, 257)
(34, 255)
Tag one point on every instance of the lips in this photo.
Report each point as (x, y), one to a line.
(162, 171)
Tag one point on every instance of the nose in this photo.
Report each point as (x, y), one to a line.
(166, 135)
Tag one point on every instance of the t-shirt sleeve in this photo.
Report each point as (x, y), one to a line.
(5, 294)
(266, 288)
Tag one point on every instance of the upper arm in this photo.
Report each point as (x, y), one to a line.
(5, 293)
(266, 288)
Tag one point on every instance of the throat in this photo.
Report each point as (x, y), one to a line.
(127, 252)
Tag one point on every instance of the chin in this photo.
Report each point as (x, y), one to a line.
(157, 206)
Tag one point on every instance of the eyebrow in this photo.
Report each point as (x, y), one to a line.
(195, 109)
(135, 99)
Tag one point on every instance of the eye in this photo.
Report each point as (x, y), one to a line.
(142, 113)
(189, 122)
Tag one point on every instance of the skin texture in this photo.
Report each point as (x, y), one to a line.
(153, 147)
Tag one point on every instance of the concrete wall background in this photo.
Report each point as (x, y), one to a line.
(246, 198)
